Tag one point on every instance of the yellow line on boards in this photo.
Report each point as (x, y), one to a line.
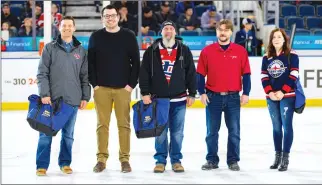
(11, 106)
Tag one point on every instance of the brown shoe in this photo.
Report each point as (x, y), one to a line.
(159, 168)
(126, 167)
(177, 167)
(41, 172)
(66, 170)
(100, 166)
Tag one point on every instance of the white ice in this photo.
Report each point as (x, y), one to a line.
(19, 144)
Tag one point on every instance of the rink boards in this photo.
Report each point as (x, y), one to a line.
(19, 81)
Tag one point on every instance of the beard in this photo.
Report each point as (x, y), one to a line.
(223, 39)
(168, 42)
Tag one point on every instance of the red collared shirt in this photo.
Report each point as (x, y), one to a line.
(224, 68)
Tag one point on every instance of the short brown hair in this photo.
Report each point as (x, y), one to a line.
(227, 22)
(271, 52)
(69, 18)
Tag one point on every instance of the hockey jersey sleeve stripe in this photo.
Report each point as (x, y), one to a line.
(268, 89)
(294, 69)
(295, 74)
(292, 77)
(264, 79)
(264, 76)
(286, 88)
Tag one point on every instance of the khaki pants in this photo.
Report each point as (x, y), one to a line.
(104, 98)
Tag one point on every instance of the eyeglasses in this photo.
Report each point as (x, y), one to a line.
(113, 16)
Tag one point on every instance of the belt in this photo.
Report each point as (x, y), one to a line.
(224, 93)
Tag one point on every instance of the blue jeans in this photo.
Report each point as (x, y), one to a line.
(230, 105)
(65, 155)
(281, 113)
(176, 125)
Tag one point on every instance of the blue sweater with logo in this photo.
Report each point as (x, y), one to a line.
(278, 75)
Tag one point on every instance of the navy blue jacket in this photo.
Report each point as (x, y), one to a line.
(243, 39)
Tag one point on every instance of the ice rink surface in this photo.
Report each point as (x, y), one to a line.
(19, 144)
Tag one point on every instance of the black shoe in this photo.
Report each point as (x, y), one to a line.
(234, 166)
(209, 166)
(284, 163)
(277, 162)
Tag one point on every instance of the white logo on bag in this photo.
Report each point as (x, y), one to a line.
(46, 113)
(147, 119)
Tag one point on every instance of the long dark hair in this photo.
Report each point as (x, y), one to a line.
(271, 49)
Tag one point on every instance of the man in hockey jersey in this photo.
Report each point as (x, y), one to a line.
(279, 74)
(168, 71)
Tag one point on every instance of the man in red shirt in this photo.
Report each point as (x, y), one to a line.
(227, 69)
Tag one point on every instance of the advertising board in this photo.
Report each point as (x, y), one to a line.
(19, 81)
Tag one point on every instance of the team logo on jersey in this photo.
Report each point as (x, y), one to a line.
(167, 66)
(276, 68)
(77, 56)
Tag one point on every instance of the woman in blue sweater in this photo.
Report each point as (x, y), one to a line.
(280, 69)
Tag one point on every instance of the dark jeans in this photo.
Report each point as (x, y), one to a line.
(176, 124)
(281, 113)
(230, 105)
(65, 155)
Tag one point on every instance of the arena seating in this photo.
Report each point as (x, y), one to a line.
(308, 18)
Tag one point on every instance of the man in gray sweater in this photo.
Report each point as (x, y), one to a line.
(62, 72)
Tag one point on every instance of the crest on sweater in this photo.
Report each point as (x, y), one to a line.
(276, 68)
(77, 56)
(168, 58)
